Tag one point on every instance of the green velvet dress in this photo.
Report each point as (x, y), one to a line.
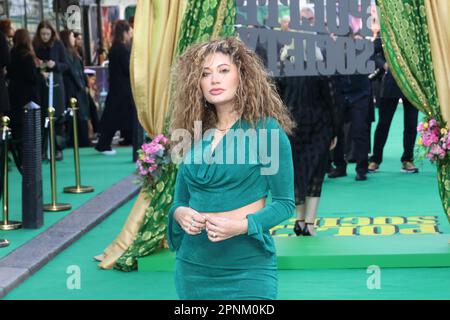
(244, 266)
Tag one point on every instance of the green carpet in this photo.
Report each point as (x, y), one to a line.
(387, 193)
(97, 170)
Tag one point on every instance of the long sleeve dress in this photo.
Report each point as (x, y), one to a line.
(75, 85)
(119, 106)
(57, 53)
(4, 61)
(244, 266)
(317, 108)
(24, 79)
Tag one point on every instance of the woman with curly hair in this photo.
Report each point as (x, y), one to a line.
(219, 222)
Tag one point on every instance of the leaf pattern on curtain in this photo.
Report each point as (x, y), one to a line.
(406, 44)
(205, 20)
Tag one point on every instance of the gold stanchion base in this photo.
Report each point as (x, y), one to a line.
(4, 243)
(57, 207)
(10, 225)
(78, 189)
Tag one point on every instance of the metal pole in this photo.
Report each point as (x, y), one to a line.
(76, 154)
(6, 224)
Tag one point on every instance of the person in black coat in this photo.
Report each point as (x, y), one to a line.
(52, 54)
(24, 79)
(119, 106)
(75, 84)
(4, 61)
(356, 91)
(313, 102)
(390, 94)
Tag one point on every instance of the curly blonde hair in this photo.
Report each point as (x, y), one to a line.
(256, 95)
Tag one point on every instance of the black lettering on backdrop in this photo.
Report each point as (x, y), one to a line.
(344, 55)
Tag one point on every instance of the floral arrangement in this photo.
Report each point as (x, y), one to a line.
(153, 159)
(434, 139)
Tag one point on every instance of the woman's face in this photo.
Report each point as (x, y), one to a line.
(128, 35)
(220, 79)
(79, 41)
(45, 34)
(72, 39)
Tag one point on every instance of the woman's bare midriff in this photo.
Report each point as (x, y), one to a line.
(242, 212)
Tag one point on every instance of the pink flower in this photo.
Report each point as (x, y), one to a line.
(142, 171)
(150, 148)
(438, 151)
(432, 123)
(420, 127)
(430, 156)
(429, 138)
(149, 159)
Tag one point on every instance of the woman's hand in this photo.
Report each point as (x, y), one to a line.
(190, 220)
(220, 228)
(51, 64)
(333, 143)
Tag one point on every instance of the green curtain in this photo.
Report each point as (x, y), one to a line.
(202, 20)
(206, 20)
(406, 44)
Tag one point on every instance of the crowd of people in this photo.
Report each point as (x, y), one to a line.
(29, 66)
(334, 115)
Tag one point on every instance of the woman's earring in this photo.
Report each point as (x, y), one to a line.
(206, 104)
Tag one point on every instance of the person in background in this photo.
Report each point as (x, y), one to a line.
(131, 21)
(76, 87)
(93, 107)
(52, 55)
(356, 92)
(390, 94)
(4, 61)
(79, 46)
(24, 78)
(119, 106)
(7, 29)
(314, 104)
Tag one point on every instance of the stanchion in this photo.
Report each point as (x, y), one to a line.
(76, 154)
(54, 207)
(6, 224)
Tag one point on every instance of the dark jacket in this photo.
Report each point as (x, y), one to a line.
(354, 87)
(4, 61)
(315, 104)
(119, 104)
(75, 85)
(56, 53)
(389, 87)
(24, 79)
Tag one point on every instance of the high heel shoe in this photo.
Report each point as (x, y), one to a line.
(298, 230)
(306, 230)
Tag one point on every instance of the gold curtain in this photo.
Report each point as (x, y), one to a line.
(156, 33)
(157, 28)
(438, 15)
